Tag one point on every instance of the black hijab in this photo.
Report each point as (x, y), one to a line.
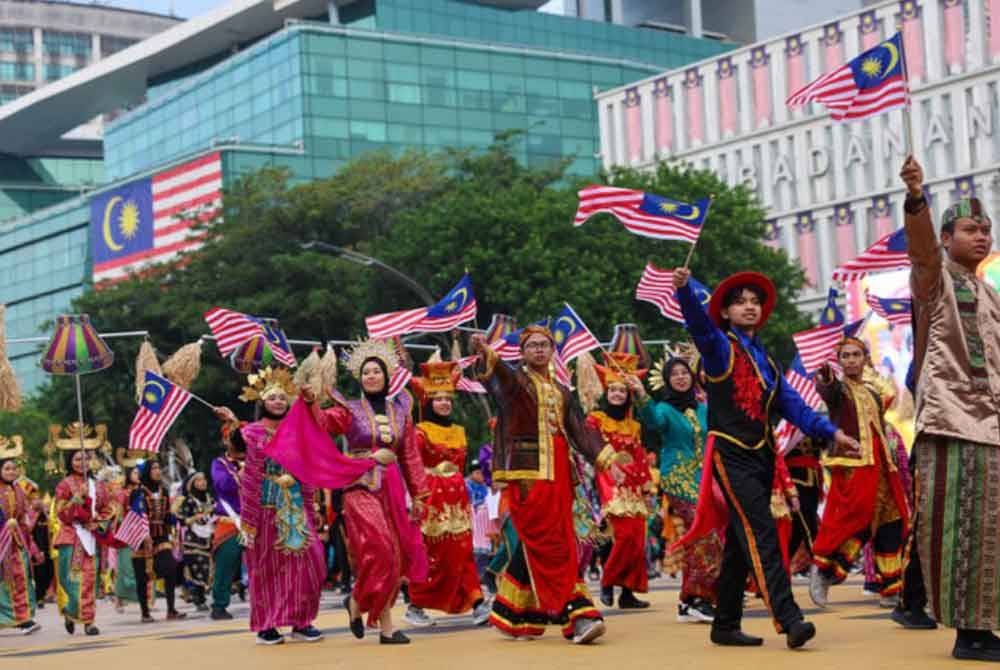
(145, 476)
(617, 412)
(680, 401)
(430, 415)
(377, 400)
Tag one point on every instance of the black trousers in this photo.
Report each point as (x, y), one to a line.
(745, 477)
(164, 567)
(808, 505)
(914, 592)
(44, 574)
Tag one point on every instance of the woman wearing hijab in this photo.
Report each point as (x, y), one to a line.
(197, 514)
(452, 584)
(385, 543)
(623, 500)
(83, 508)
(681, 420)
(155, 555)
(17, 588)
(125, 588)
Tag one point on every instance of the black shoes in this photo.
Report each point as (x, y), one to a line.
(608, 596)
(628, 601)
(70, 625)
(800, 633)
(307, 634)
(220, 615)
(734, 638)
(395, 638)
(357, 626)
(913, 619)
(271, 636)
(91, 629)
(976, 645)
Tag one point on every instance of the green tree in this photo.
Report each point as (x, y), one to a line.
(32, 424)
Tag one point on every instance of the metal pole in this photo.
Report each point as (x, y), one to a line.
(362, 259)
(129, 333)
(79, 408)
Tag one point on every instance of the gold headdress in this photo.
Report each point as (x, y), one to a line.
(686, 351)
(268, 382)
(77, 436)
(619, 364)
(370, 348)
(437, 377)
(12, 447)
(129, 458)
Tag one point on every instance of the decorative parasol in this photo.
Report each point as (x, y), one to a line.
(989, 270)
(626, 340)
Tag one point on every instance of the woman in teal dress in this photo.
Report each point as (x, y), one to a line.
(680, 420)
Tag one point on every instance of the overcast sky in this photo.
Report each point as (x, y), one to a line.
(182, 8)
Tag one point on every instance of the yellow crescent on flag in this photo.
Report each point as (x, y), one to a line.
(109, 239)
(893, 56)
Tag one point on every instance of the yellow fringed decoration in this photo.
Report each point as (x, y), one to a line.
(326, 372)
(588, 384)
(10, 390)
(145, 360)
(183, 367)
(307, 369)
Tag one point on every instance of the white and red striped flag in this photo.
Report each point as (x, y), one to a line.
(572, 335)
(656, 286)
(149, 220)
(457, 307)
(160, 406)
(889, 253)
(816, 344)
(897, 311)
(133, 530)
(803, 383)
(400, 377)
(868, 85)
(231, 329)
(6, 541)
(645, 214)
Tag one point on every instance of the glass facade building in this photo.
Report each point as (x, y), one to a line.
(388, 75)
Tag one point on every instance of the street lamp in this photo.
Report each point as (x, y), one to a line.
(368, 261)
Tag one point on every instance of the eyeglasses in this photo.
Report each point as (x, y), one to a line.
(538, 345)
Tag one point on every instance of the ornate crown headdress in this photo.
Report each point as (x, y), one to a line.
(371, 348)
(685, 351)
(12, 447)
(267, 382)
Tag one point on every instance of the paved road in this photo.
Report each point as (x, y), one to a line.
(853, 633)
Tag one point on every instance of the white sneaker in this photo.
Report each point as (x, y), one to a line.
(888, 602)
(819, 587)
(588, 630)
(481, 614)
(688, 613)
(417, 617)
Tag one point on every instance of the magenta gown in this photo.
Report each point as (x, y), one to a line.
(286, 564)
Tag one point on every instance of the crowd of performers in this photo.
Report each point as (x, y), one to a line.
(380, 482)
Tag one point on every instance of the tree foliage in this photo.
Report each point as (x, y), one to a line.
(432, 217)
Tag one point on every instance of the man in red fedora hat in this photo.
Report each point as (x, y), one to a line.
(747, 393)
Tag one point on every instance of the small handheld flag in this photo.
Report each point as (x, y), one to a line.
(889, 253)
(572, 335)
(133, 530)
(897, 311)
(868, 85)
(645, 214)
(161, 404)
(657, 286)
(816, 344)
(457, 307)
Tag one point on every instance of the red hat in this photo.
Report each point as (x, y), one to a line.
(743, 279)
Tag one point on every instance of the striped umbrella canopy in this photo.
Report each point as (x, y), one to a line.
(252, 356)
(500, 327)
(76, 348)
(989, 270)
(626, 340)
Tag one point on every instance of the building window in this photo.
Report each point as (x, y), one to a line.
(55, 71)
(16, 40)
(66, 44)
(112, 45)
(8, 93)
(17, 71)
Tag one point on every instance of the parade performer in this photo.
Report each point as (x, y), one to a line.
(82, 508)
(17, 549)
(681, 422)
(283, 554)
(155, 556)
(196, 512)
(125, 586)
(538, 424)
(866, 499)
(623, 505)
(383, 541)
(957, 448)
(38, 525)
(452, 583)
(745, 390)
(227, 552)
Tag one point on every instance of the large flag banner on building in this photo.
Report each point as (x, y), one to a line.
(572, 335)
(644, 214)
(657, 286)
(133, 530)
(889, 253)
(160, 406)
(868, 85)
(897, 311)
(457, 307)
(149, 220)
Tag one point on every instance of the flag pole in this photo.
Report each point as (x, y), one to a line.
(907, 116)
(687, 261)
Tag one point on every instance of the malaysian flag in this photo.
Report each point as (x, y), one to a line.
(233, 329)
(803, 383)
(6, 539)
(816, 344)
(149, 220)
(786, 436)
(572, 335)
(161, 403)
(401, 376)
(889, 253)
(457, 307)
(133, 530)
(644, 214)
(657, 286)
(897, 311)
(872, 83)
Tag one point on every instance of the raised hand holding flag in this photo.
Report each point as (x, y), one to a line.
(656, 286)
(161, 404)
